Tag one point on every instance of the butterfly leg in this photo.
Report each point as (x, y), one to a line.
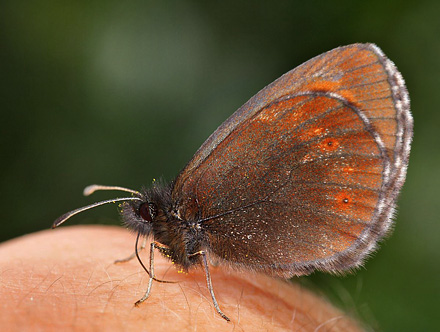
(209, 283)
(133, 255)
(151, 272)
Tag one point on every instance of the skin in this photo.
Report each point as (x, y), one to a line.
(65, 279)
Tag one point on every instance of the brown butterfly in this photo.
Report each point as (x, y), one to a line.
(303, 177)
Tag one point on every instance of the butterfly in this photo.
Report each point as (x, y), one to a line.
(304, 176)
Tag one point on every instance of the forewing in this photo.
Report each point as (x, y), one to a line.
(305, 175)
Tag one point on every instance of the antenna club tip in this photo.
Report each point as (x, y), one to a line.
(89, 190)
(60, 220)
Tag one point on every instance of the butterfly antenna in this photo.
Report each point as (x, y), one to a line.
(95, 187)
(90, 190)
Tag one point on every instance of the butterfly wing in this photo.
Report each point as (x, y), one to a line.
(306, 174)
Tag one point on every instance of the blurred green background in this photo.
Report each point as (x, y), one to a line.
(120, 93)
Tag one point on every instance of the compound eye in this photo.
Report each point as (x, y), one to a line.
(145, 212)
